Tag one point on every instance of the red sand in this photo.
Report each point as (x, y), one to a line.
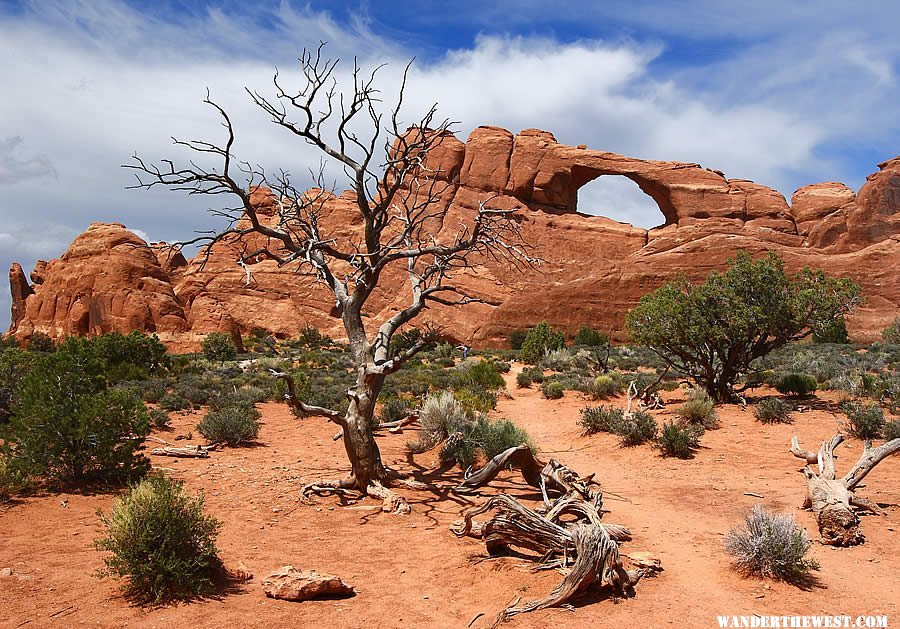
(411, 571)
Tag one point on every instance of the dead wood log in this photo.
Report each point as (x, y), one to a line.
(551, 477)
(586, 550)
(188, 452)
(832, 499)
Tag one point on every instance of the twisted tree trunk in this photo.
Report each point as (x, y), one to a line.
(832, 499)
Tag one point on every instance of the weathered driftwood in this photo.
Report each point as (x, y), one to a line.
(832, 499)
(569, 536)
(551, 477)
(188, 452)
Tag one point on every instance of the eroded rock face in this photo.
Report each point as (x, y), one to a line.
(20, 290)
(108, 280)
(594, 269)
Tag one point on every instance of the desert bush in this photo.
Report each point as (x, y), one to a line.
(637, 428)
(309, 336)
(394, 409)
(476, 400)
(40, 342)
(679, 439)
(771, 545)
(891, 333)
(479, 375)
(130, 353)
(596, 419)
(517, 338)
(12, 479)
(161, 543)
(174, 402)
(891, 430)
(14, 366)
(558, 360)
(218, 346)
(151, 391)
(441, 416)
(587, 337)
(8, 341)
(540, 340)
(603, 387)
(834, 331)
(796, 384)
(743, 314)
(864, 421)
(523, 379)
(552, 390)
(698, 410)
(231, 425)
(535, 373)
(773, 410)
(483, 438)
(67, 426)
(159, 419)
(502, 366)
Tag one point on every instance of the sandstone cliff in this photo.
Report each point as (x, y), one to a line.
(594, 268)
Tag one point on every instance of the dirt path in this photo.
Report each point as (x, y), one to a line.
(412, 572)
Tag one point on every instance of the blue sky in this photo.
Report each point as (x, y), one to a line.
(784, 93)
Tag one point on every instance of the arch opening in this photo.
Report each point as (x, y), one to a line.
(618, 197)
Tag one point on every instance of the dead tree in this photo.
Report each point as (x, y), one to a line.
(567, 534)
(832, 499)
(402, 222)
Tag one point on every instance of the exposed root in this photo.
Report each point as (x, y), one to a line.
(391, 502)
(569, 536)
(345, 487)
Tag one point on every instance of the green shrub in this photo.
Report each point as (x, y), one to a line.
(480, 375)
(231, 425)
(8, 341)
(587, 337)
(771, 545)
(218, 346)
(523, 380)
(552, 390)
(151, 391)
(540, 340)
(596, 419)
(834, 331)
(161, 543)
(441, 416)
(864, 421)
(12, 479)
(535, 373)
(639, 428)
(603, 387)
(558, 360)
(502, 366)
(159, 419)
(891, 430)
(699, 410)
(476, 400)
(773, 410)
(136, 352)
(174, 402)
(394, 409)
(68, 427)
(14, 366)
(40, 342)
(797, 384)
(517, 338)
(485, 438)
(310, 337)
(891, 334)
(679, 439)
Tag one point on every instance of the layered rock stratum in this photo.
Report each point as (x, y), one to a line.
(594, 269)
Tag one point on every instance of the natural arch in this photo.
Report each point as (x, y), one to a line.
(620, 198)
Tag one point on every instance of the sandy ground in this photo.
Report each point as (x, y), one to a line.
(410, 571)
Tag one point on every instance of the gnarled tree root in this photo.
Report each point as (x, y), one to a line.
(569, 536)
(831, 498)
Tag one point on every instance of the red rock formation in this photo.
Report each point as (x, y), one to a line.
(594, 268)
(20, 290)
(108, 280)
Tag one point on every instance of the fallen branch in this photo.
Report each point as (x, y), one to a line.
(832, 499)
(188, 452)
